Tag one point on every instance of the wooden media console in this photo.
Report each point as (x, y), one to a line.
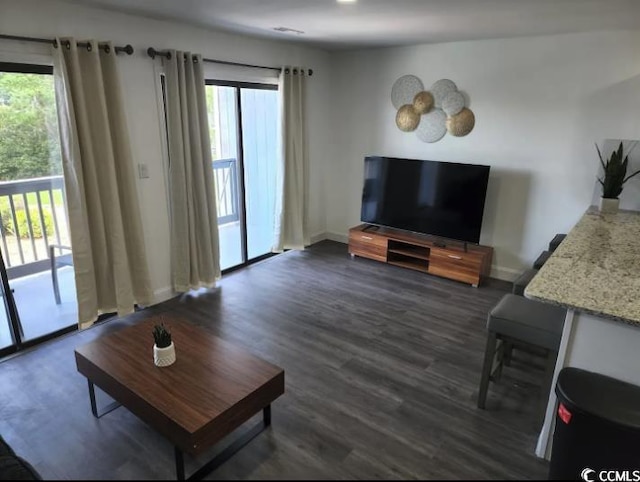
(455, 260)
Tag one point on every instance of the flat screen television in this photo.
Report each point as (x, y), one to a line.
(429, 197)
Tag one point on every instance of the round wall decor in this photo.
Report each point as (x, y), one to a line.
(423, 102)
(407, 119)
(441, 89)
(453, 103)
(433, 126)
(461, 124)
(405, 89)
(431, 113)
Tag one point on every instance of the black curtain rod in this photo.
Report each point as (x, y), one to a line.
(127, 49)
(153, 53)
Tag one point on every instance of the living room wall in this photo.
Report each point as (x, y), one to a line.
(540, 104)
(54, 18)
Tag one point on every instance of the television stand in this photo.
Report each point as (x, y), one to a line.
(460, 261)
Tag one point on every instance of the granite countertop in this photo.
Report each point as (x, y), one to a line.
(596, 269)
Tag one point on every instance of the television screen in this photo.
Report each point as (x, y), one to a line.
(440, 198)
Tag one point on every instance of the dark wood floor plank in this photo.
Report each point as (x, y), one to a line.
(381, 370)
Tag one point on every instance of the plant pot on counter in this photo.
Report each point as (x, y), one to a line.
(608, 205)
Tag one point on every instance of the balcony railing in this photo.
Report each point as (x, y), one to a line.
(225, 177)
(33, 215)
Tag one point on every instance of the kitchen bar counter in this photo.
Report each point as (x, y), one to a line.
(596, 269)
(595, 274)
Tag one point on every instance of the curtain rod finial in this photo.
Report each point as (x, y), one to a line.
(128, 49)
(151, 52)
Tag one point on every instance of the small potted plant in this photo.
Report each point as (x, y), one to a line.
(615, 175)
(164, 352)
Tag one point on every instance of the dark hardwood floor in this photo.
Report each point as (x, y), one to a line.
(381, 364)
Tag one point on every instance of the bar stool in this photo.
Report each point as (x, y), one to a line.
(524, 323)
(555, 242)
(519, 285)
(542, 259)
(522, 281)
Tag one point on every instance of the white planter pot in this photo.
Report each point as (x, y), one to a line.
(609, 206)
(163, 357)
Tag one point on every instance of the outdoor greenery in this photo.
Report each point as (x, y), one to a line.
(29, 143)
(23, 226)
(29, 147)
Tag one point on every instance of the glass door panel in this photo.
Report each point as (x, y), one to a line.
(259, 135)
(34, 232)
(222, 108)
(6, 338)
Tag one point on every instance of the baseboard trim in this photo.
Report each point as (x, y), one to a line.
(163, 294)
(504, 273)
(338, 237)
(316, 238)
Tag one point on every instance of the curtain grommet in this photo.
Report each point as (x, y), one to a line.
(68, 45)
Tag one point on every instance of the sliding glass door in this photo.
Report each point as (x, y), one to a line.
(260, 150)
(243, 120)
(222, 109)
(38, 290)
(7, 328)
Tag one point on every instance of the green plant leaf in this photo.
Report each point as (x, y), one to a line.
(630, 176)
(600, 156)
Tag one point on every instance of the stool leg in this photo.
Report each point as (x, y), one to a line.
(508, 353)
(489, 354)
(549, 368)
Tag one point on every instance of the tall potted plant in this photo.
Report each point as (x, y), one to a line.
(613, 179)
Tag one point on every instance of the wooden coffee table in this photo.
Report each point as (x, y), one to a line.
(211, 389)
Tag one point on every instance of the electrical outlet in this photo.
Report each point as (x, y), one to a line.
(143, 171)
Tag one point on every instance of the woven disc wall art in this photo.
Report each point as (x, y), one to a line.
(431, 113)
(405, 89)
(433, 126)
(461, 124)
(407, 119)
(453, 103)
(423, 102)
(441, 89)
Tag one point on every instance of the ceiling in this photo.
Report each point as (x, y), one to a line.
(377, 23)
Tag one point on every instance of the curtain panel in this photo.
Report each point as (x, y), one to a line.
(195, 251)
(108, 250)
(292, 205)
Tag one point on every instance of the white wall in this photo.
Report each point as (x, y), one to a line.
(52, 18)
(540, 104)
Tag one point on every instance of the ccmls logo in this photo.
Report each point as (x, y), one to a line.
(588, 474)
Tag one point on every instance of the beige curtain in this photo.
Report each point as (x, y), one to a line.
(291, 226)
(109, 255)
(195, 252)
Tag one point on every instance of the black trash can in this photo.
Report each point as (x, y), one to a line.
(597, 428)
